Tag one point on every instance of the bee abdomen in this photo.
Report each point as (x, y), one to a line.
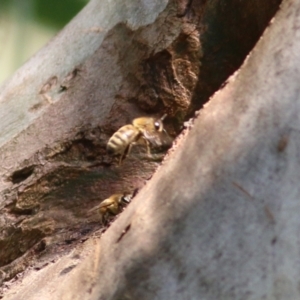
(120, 140)
(115, 143)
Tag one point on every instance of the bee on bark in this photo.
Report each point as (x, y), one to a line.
(149, 130)
(113, 206)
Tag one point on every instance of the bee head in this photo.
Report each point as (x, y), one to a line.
(126, 198)
(158, 124)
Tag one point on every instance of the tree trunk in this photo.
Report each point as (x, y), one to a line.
(219, 218)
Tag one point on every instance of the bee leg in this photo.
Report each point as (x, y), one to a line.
(147, 144)
(125, 154)
(120, 160)
(103, 221)
(148, 148)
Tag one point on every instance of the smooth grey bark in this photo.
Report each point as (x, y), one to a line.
(218, 220)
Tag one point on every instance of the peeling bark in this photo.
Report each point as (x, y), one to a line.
(112, 63)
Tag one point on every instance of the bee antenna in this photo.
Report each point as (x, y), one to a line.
(163, 117)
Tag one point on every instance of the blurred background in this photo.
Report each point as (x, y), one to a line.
(27, 25)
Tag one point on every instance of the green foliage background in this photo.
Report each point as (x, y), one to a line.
(18, 40)
(54, 13)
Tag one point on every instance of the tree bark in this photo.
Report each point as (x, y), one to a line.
(218, 220)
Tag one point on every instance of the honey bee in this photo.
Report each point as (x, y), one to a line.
(113, 205)
(146, 129)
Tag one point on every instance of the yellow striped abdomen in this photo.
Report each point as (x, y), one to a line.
(120, 141)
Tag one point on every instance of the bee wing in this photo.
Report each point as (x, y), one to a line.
(158, 139)
(154, 138)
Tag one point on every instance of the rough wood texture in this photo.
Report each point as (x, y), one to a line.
(182, 236)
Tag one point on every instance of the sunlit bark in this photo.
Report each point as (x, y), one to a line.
(218, 219)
